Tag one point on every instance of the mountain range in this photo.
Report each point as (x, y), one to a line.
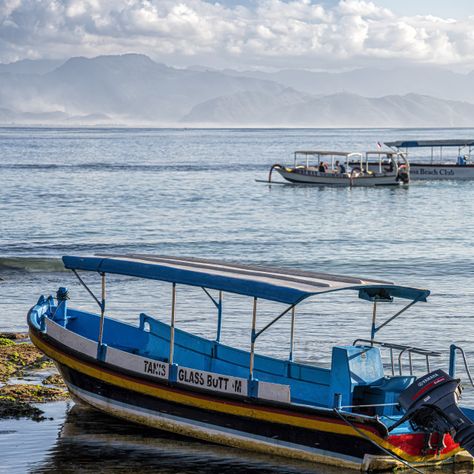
(133, 89)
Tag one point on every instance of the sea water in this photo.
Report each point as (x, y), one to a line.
(189, 192)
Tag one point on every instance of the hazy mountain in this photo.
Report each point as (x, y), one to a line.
(30, 66)
(9, 117)
(252, 107)
(131, 89)
(369, 82)
(341, 110)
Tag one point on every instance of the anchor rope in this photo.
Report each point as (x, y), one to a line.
(386, 451)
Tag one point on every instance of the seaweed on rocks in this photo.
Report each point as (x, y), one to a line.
(16, 358)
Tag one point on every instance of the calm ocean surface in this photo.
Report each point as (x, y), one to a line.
(193, 193)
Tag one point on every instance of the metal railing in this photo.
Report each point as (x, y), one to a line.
(452, 362)
(402, 350)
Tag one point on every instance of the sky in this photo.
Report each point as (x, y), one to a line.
(241, 34)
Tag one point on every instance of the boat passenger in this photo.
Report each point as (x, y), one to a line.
(340, 168)
(322, 167)
(462, 160)
(390, 167)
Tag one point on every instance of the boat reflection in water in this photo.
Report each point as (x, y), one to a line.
(90, 441)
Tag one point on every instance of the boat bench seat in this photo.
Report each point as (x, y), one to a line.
(353, 366)
(382, 392)
(309, 382)
(357, 374)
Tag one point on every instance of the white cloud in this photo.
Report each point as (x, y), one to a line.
(274, 33)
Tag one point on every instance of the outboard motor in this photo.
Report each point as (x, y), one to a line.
(403, 174)
(431, 404)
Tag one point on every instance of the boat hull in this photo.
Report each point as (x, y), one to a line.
(316, 178)
(296, 432)
(424, 171)
(226, 430)
(229, 422)
(435, 171)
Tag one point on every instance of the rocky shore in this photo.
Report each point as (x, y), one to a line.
(27, 378)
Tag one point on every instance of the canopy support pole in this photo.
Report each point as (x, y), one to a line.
(374, 330)
(253, 338)
(397, 314)
(255, 334)
(219, 318)
(81, 281)
(173, 308)
(292, 334)
(102, 312)
(218, 305)
(271, 323)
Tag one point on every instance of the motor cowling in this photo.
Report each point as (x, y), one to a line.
(431, 404)
(403, 175)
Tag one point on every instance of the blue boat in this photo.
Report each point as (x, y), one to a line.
(359, 413)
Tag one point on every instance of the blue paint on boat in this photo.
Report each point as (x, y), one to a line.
(353, 368)
(234, 279)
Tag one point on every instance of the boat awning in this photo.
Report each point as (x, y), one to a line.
(384, 152)
(325, 153)
(457, 142)
(281, 285)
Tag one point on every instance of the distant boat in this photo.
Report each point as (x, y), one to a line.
(360, 413)
(337, 168)
(460, 167)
